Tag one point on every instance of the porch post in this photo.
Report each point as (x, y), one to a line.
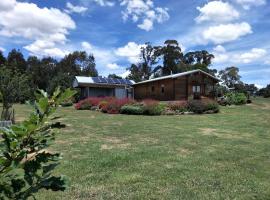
(88, 91)
(187, 86)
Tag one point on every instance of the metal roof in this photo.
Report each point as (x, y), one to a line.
(79, 80)
(176, 76)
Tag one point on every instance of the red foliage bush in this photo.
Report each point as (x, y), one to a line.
(114, 105)
(89, 102)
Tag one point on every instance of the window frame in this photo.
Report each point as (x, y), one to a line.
(196, 89)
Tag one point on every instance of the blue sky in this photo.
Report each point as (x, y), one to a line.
(235, 31)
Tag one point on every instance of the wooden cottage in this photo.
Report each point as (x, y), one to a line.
(177, 86)
(103, 87)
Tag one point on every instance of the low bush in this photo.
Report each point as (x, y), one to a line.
(234, 98)
(178, 106)
(67, 103)
(135, 109)
(153, 107)
(203, 106)
(88, 103)
(83, 105)
(114, 105)
(223, 101)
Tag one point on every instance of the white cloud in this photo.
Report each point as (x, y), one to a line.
(104, 2)
(46, 27)
(234, 57)
(220, 54)
(219, 48)
(125, 74)
(45, 48)
(2, 49)
(104, 57)
(247, 4)
(75, 9)
(225, 33)
(217, 11)
(87, 46)
(6, 5)
(145, 12)
(113, 66)
(131, 51)
(146, 25)
(251, 56)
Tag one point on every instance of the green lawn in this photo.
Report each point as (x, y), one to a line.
(219, 156)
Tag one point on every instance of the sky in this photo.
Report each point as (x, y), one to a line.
(235, 31)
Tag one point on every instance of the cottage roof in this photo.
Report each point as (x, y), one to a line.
(177, 75)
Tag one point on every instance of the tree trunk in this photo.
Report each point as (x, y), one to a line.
(8, 114)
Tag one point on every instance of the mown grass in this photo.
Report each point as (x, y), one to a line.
(219, 156)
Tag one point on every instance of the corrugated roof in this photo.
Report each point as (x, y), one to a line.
(102, 81)
(83, 79)
(176, 76)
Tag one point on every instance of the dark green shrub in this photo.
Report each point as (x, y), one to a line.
(249, 101)
(132, 109)
(153, 107)
(196, 106)
(266, 93)
(240, 99)
(234, 98)
(203, 106)
(67, 103)
(211, 106)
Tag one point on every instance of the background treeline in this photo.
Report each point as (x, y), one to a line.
(46, 73)
(29, 74)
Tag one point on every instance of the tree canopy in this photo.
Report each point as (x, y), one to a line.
(168, 59)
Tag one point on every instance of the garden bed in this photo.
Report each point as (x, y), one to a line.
(112, 105)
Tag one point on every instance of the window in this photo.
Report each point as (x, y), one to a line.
(196, 89)
(153, 88)
(162, 88)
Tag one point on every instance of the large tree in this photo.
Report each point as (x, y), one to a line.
(171, 55)
(265, 92)
(16, 61)
(78, 63)
(2, 59)
(199, 60)
(136, 73)
(230, 76)
(114, 76)
(41, 71)
(144, 68)
(13, 88)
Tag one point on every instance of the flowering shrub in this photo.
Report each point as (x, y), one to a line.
(180, 106)
(113, 105)
(152, 107)
(89, 102)
(83, 105)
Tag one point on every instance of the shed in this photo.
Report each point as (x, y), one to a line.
(103, 87)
